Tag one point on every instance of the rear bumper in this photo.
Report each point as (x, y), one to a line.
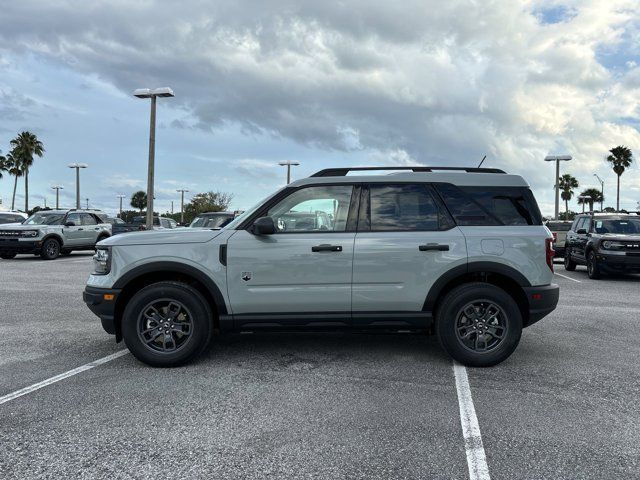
(13, 245)
(102, 302)
(542, 301)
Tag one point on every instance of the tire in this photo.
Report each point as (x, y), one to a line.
(592, 266)
(8, 256)
(50, 249)
(569, 265)
(452, 323)
(194, 316)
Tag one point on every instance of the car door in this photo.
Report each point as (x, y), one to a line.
(74, 234)
(405, 241)
(91, 229)
(581, 239)
(300, 275)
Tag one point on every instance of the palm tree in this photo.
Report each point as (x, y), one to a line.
(139, 200)
(14, 168)
(25, 146)
(3, 164)
(595, 196)
(620, 158)
(566, 184)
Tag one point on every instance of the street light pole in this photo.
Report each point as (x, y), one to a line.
(153, 94)
(78, 166)
(182, 191)
(57, 188)
(121, 197)
(557, 159)
(87, 203)
(601, 189)
(288, 164)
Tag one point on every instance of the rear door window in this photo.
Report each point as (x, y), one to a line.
(402, 208)
(88, 219)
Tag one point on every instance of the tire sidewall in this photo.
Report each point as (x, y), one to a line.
(45, 255)
(592, 266)
(201, 321)
(446, 323)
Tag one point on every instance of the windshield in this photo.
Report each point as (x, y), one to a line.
(241, 218)
(43, 218)
(559, 226)
(211, 221)
(618, 225)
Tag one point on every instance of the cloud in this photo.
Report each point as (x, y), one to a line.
(417, 81)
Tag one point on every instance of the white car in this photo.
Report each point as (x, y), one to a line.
(12, 218)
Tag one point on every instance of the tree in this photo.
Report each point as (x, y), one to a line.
(566, 184)
(207, 202)
(620, 159)
(139, 200)
(12, 166)
(3, 164)
(594, 193)
(568, 215)
(25, 146)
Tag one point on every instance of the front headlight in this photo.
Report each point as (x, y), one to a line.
(29, 233)
(102, 261)
(606, 244)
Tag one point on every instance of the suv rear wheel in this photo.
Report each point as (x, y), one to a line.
(479, 324)
(569, 265)
(167, 324)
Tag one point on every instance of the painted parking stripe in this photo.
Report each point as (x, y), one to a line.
(569, 278)
(476, 458)
(62, 376)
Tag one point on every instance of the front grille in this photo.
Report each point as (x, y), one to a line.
(9, 233)
(630, 246)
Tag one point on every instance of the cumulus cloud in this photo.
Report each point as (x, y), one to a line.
(420, 81)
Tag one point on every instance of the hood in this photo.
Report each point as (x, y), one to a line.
(20, 226)
(155, 237)
(625, 237)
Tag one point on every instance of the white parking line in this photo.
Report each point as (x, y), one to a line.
(62, 376)
(564, 276)
(476, 459)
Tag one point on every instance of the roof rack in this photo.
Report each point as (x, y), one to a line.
(341, 172)
(83, 209)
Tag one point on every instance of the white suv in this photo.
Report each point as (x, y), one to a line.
(461, 253)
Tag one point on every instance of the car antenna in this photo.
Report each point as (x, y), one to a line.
(482, 161)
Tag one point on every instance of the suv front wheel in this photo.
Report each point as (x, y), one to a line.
(593, 270)
(478, 324)
(167, 324)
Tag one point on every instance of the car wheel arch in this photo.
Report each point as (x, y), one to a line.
(54, 236)
(155, 272)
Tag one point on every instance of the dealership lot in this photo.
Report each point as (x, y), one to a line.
(565, 405)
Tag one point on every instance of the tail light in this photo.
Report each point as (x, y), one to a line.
(550, 252)
(555, 237)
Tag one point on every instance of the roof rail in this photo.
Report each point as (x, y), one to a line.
(83, 209)
(341, 172)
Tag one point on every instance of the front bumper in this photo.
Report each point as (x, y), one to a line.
(102, 302)
(542, 301)
(13, 245)
(622, 263)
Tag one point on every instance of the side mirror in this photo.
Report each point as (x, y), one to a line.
(263, 226)
(582, 231)
(70, 224)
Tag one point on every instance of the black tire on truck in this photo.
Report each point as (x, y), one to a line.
(167, 324)
(478, 324)
(50, 249)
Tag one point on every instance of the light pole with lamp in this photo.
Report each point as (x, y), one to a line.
(78, 166)
(288, 164)
(601, 189)
(182, 192)
(57, 188)
(153, 94)
(120, 197)
(557, 159)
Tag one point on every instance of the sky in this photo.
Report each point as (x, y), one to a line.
(332, 83)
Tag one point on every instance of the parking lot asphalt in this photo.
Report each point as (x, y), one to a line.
(564, 405)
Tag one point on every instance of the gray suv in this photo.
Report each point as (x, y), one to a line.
(50, 233)
(461, 253)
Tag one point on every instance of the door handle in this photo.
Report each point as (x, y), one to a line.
(80, 229)
(326, 248)
(433, 247)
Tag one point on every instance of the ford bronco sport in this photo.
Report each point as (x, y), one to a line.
(459, 252)
(50, 233)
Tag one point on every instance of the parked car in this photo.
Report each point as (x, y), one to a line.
(14, 218)
(49, 233)
(459, 252)
(605, 243)
(159, 223)
(212, 220)
(559, 231)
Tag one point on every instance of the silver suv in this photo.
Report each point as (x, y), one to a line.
(461, 253)
(50, 233)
